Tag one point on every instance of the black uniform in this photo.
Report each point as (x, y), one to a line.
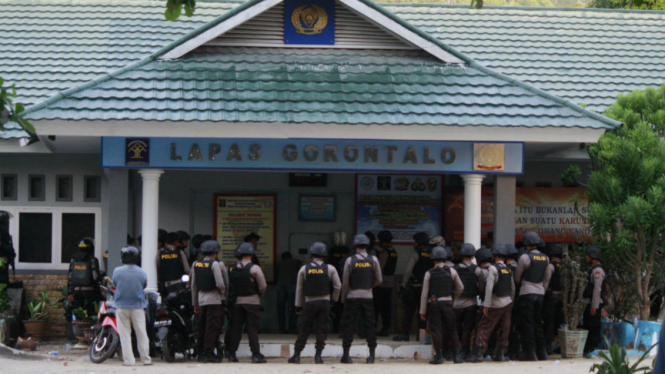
(7, 255)
(83, 281)
(530, 305)
(336, 257)
(170, 270)
(383, 294)
(412, 291)
(440, 313)
(553, 306)
(248, 315)
(362, 277)
(467, 317)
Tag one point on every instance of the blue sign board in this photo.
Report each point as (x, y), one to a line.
(403, 156)
(309, 22)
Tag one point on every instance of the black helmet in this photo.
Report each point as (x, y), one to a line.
(421, 238)
(541, 246)
(372, 238)
(439, 254)
(172, 237)
(318, 249)
(245, 249)
(531, 239)
(499, 250)
(210, 246)
(555, 250)
(197, 240)
(512, 251)
(360, 241)
(183, 235)
(594, 252)
(87, 245)
(5, 216)
(129, 255)
(385, 236)
(161, 235)
(450, 252)
(483, 255)
(468, 250)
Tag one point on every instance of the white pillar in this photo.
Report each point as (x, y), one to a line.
(150, 225)
(472, 207)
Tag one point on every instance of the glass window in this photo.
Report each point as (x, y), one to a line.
(35, 237)
(9, 187)
(37, 186)
(92, 188)
(75, 227)
(64, 188)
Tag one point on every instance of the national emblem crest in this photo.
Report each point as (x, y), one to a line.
(309, 19)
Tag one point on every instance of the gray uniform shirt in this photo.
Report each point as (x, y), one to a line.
(597, 278)
(332, 275)
(491, 300)
(528, 288)
(424, 296)
(485, 271)
(260, 279)
(214, 297)
(469, 301)
(347, 292)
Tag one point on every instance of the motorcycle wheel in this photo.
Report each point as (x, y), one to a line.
(104, 345)
(167, 351)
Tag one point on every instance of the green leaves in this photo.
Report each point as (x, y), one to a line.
(174, 9)
(10, 112)
(617, 362)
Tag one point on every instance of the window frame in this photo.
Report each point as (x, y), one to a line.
(86, 179)
(56, 246)
(57, 188)
(13, 197)
(43, 187)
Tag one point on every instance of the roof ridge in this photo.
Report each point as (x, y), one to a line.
(524, 8)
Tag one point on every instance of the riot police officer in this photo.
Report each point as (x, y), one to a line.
(83, 277)
(172, 264)
(533, 277)
(336, 256)
(484, 260)
(412, 283)
(362, 273)
(553, 303)
(514, 339)
(248, 285)
(7, 253)
(313, 287)
(253, 239)
(383, 294)
(208, 290)
(466, 305)
(441, 285)
(594, 297)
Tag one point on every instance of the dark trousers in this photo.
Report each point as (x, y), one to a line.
(209, 326)
(410, 308)
(358, 310)
(496, 318)
(82, 299)
(466, 321)
(440, 321)
(514, 344)
(249, 316)
(593, 324)
(337, 311)
(314, 318)
(383, 306)
(552, 317)
(286, 299)
(530, 325)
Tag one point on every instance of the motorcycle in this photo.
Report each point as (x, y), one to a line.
(174, 322)
(106, 339)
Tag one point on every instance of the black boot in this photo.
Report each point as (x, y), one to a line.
(457, 357)
(210, 358)
(500, 357)
(476, 355)
(258, 358)
(231, 356)
(447, 354)
(437, 359)
(295, 359)
(401, 338)
(317, 356)
(346, 358)
(528, 356)
(513, 355)
(370, 359)
(542, 355)
(383, 333)
(465, 353)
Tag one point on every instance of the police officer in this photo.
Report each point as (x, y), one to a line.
(484, 260)
(336, 256)
(172, 264)
(253, 239)
(497, 305)
(7, 253)
(372, 243)
(362, 273)
(313, 287)
(514, 339)
(197, 240)
(553, 303)
(383, 294)
(466, 305)
(441, 285)
(83, 277)
(183, 240)
(594, 297)
(249, 286)
(412, 283)
(533, 277)
(208, 289)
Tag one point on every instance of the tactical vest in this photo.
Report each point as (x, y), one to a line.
(241, 280)
(555, 281)
(317, 280)
(502, 285)
(588, 291)
(391, 264)
(336, 256)
(536, 272)
(468, 277)
(205, 279)
(170, 266)
(421, 267)
(440, 282)
(362, 273)
(512, 266)
(82, 274)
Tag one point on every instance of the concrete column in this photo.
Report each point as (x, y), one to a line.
(150, 224)
(504, 208)
(472, 207)
(118, 214)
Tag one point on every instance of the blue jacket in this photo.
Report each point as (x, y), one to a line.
(130, 280)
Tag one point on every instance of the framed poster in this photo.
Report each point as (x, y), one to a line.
(402, 204)
(316, 208)
(236, 216)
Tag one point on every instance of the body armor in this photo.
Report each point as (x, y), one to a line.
(468, 277)
(536, 272)
(170, 266)
(205, 279)
(391, 264)
(555, 281)
(241, 280)
(421, 267)
(82, 273)
(317, 280)
(502, 285)
(440, 282)
(362, 273)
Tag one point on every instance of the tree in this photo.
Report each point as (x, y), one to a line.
(628, 4)
(10, 112)
(626, 192)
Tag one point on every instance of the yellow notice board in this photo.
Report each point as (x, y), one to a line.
(237, 215)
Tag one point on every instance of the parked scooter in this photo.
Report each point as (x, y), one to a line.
(175, 325)
(106, 339)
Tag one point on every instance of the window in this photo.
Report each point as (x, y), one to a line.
(92, 188)
(63, 188)
(35, 236)
(37, 186)
(9, 187)
(75, 227)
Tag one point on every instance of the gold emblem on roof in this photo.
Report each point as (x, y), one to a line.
(309, 19)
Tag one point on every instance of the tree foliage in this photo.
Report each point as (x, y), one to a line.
(626, 193)
(628, 4)
(10, 111)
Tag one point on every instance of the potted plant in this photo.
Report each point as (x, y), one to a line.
(81, 324)
(574, 281)
(39, 310)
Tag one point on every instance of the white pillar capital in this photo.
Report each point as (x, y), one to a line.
(151, 174)
(476, 179)
(150, 224)
(472, 207)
